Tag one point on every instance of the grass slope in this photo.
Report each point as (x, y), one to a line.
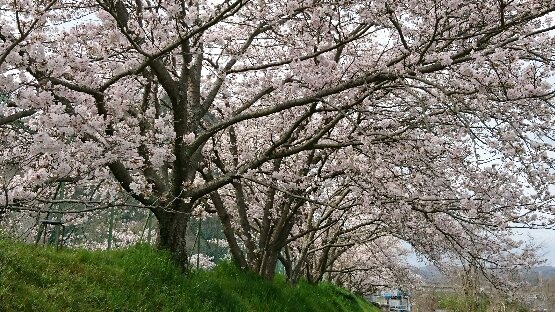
(36, 278)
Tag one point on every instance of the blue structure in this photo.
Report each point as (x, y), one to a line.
(396, 300)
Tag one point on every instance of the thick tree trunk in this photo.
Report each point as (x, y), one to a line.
(173, 236)
(268, 264)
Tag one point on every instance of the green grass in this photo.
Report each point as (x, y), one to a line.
(36, 278)
(456, 302)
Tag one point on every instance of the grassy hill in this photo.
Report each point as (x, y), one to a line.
(36, 278)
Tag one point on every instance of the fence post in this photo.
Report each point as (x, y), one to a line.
(199, 220)
(110, 228)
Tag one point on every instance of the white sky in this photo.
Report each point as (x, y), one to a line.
(545, 238)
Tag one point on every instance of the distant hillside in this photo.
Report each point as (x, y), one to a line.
(545, 271)
(430, 274)
(541, 274)
(36, 278)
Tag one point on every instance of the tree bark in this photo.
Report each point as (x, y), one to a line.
(173, 236)
(268, 264)
(227, 228)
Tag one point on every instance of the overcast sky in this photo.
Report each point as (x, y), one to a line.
(546, 238)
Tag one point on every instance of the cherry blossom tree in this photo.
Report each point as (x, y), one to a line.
(309, 221)
(380, 263)
(437, 112)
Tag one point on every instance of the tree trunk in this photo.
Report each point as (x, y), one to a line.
(227, 228)
(173, 236)
(268, 264)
